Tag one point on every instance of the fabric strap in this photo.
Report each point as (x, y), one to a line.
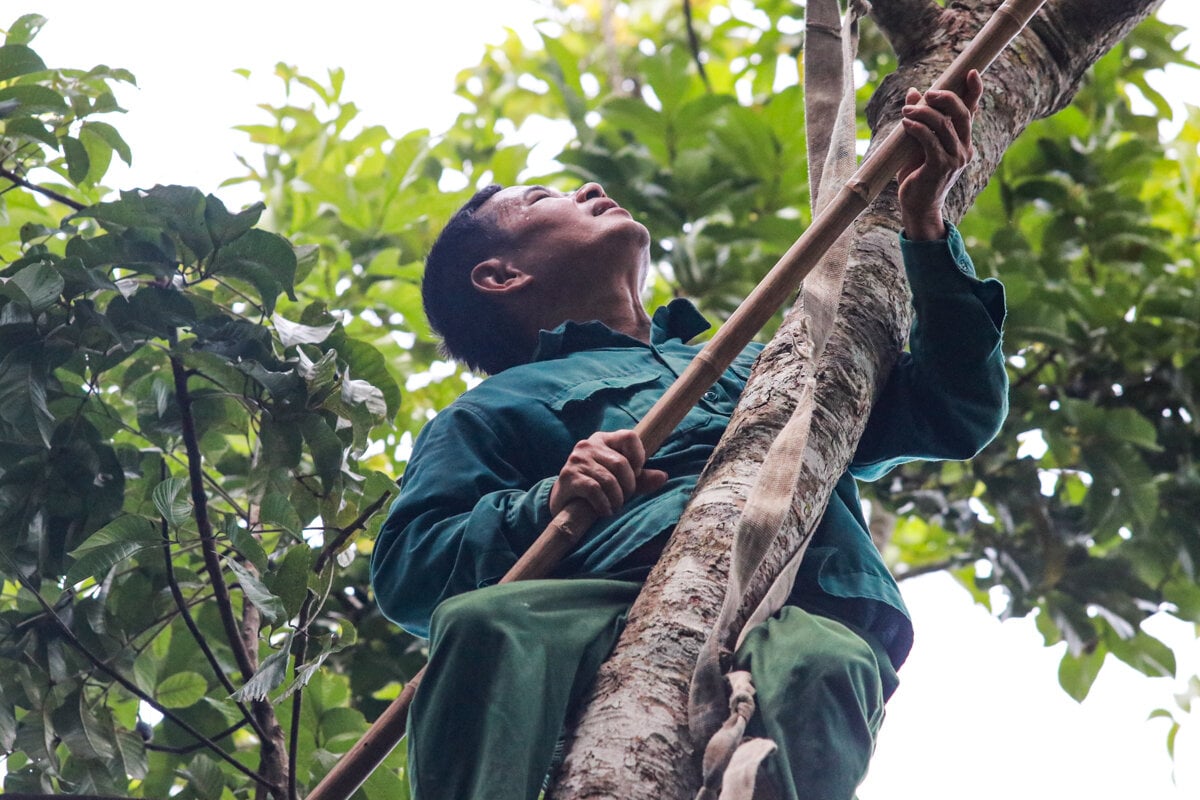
(829, 51)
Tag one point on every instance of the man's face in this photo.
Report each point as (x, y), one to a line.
(579, 236)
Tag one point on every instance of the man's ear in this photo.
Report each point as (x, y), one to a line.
(498, 276)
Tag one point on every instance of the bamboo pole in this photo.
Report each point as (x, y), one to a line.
(780, 283)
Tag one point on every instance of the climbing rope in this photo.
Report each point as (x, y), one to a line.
(731, 763)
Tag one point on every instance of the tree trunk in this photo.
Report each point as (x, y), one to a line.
(631, 740)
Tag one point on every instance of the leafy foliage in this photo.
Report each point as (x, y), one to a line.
(184, 470)
(201, 409)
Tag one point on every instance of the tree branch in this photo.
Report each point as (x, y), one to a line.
(212, 562)
(694, 43)
(42, 190)
(183, 751)
(1099, 24)
(331, 549)
(938, 566)
(910, 26)
(1030, 374)
(197, 635)
(301, 656)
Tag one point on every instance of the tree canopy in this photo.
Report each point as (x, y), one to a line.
(202, 409)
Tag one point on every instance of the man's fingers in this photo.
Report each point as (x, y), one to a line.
(628, 444)
(974, 91)
(931, 145)
(948, 117)
(650, 480)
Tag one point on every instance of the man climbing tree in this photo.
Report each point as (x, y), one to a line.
(542, 289)
(639, 708)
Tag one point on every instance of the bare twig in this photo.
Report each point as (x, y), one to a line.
(183, 751)
(212, 562)
(694, 43)
(42, 190)
(1030, 374)
(331, 549)
(301, 655)
(197, 635)
(953, 562)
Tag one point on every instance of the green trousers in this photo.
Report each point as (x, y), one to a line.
(507, 663)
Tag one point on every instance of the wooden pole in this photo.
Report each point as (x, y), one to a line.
(780, 283)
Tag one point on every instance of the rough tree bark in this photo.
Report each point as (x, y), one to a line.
(632, 739)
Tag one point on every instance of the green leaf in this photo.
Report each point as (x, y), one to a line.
(109, 135)
(132, 749)
(270, 675)
(34, 99)
(36, 287)
(205, 778)
(271, 606)
(173, 501)
(327, 449)
(84, 735)
(78, 162)
(367, 363)
(25, 29)
(264, 260)
(277, 509)
(30, 128)
(177, 211)
(151, 310)
(114, 543)
(24, 414)
(224, 227)
(17, 59)
(289, 579)
(1077, 674)
(246, 543)
(99, 153)
(281, 442)
(181, 689)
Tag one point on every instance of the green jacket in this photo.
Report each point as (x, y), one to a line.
(475, 494)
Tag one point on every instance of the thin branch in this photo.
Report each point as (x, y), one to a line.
(301, 656)
(200, 639)
(909, 25)
(694, 43)
(42, 190)
(262, 311)
(937, 566)
(331, 549)
(183, 751)
(129, 685)
(1029, 375)
(212, 561)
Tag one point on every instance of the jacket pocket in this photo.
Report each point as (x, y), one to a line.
(609, 403)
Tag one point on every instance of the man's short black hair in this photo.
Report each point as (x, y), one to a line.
(474, 328)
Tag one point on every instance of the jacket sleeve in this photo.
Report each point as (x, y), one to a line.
(948, 396)
(464, 512)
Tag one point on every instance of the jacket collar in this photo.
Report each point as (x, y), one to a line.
(677, 320)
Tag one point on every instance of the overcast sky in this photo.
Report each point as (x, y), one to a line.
(978, 713)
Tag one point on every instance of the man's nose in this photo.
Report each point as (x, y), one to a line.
(589, 191)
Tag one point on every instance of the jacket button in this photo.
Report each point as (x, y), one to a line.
(710, 396)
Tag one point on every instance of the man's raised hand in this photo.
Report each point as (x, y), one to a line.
(942, 128)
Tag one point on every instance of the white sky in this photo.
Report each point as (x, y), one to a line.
(978, 713)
